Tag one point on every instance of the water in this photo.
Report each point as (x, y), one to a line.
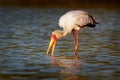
(24, 38)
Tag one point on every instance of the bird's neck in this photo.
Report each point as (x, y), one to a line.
(57, 34)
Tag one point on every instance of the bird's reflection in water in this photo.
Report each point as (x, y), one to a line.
(66, 63)
(70, 67)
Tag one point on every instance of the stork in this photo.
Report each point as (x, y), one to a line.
(71, 22)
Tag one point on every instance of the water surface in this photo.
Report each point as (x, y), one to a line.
(24, 37)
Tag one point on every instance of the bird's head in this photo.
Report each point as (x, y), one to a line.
(57, 34)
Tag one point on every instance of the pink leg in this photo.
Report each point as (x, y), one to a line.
(76, 40)
(74, 37)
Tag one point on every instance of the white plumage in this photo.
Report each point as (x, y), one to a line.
(73, 20)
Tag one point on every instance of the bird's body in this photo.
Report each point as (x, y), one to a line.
(72, 22)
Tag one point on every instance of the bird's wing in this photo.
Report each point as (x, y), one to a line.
(83, 20)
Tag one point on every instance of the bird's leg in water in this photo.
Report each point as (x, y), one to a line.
(76, 40)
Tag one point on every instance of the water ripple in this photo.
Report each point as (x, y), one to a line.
(24, 37)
